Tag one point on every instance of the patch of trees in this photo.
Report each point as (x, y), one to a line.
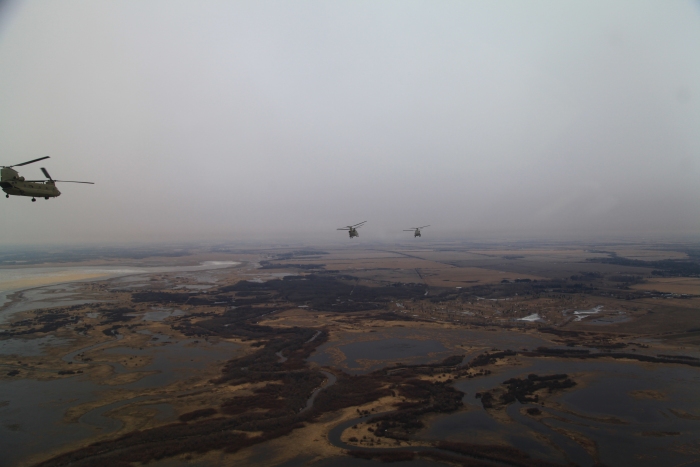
(679, 357)
(285, 399)
(305, 266)
(522, 389)
(111, 331)
(190, 298)
(561, 332)
(433, 397)
(350, 391)
(453, 360)
(158, 443)
(398, 455)
(663, 268)
(116, 315)
(46, 322)
(496, 452)
(586, 276)
(490, 357)
(585, 354)
(196, 414)
(389, 316)
(626, 279)
(292, 254)
(329, 293)
(562, 352)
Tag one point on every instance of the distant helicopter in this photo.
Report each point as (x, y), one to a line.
(416, 230)
(12, 184)
(352, 229)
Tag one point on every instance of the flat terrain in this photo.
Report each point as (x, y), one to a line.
(672, 285)
(309, 355)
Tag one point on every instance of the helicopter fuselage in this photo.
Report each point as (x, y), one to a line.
(12, 184)
(353, 233)
(416, 233)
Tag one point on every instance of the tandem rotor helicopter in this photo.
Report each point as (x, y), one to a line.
(352, 229)
(416, 230)
(13, 184)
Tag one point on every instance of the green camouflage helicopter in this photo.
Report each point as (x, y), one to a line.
(12, 184)
(416, 230)
(352, 229)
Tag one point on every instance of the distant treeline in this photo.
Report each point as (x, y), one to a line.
(306, 266)
(329, 293)
(664, 267)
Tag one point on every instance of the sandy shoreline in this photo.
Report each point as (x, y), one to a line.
(58, 278)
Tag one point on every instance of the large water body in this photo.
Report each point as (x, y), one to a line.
(645, 432)
(61, 294)
(418, 346)
(31, 412)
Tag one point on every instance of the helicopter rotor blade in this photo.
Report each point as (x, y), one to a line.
(423, 227)
(72, 181)
(344, 228)
(29, 162)
(357, 225)
(46, 173)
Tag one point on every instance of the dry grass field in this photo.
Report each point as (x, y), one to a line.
(677, 285)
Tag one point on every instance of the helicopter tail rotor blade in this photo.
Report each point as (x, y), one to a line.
(30, 162)
(46, 173)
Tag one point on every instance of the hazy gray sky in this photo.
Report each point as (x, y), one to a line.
(238, 120)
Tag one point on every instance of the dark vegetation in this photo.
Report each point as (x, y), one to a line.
(463, 454)
(305, 266)
(523, 389)
(116, 315)
(587, 354)
(45, 321)
(292, 254)
(190, 298)
(195, 414)
(442, 456)
(496, 452)
(329, 293)
(437, 397)
(490, 357)
(663, 268)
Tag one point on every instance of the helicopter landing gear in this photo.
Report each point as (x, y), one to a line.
(7, 196)
(46, 197)
(33, 200)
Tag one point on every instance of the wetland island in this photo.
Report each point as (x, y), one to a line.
(449, 354)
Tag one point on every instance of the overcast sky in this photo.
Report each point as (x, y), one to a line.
(242, 120)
